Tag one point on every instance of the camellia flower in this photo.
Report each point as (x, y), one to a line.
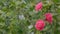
(38, 6)
(48, 17)
(40, 24)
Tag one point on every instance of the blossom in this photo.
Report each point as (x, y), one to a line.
(39, 6)
(40, 24)
(48, 17)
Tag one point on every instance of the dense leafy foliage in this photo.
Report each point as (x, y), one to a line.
(19, 16)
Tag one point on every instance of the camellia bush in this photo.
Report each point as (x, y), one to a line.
(29, 16)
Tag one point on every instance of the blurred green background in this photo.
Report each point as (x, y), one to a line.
(19, 16)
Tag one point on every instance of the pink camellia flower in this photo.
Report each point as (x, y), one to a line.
(40, 25)
(38, 6)
(48, 17)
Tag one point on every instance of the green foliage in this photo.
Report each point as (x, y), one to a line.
(19, 16)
